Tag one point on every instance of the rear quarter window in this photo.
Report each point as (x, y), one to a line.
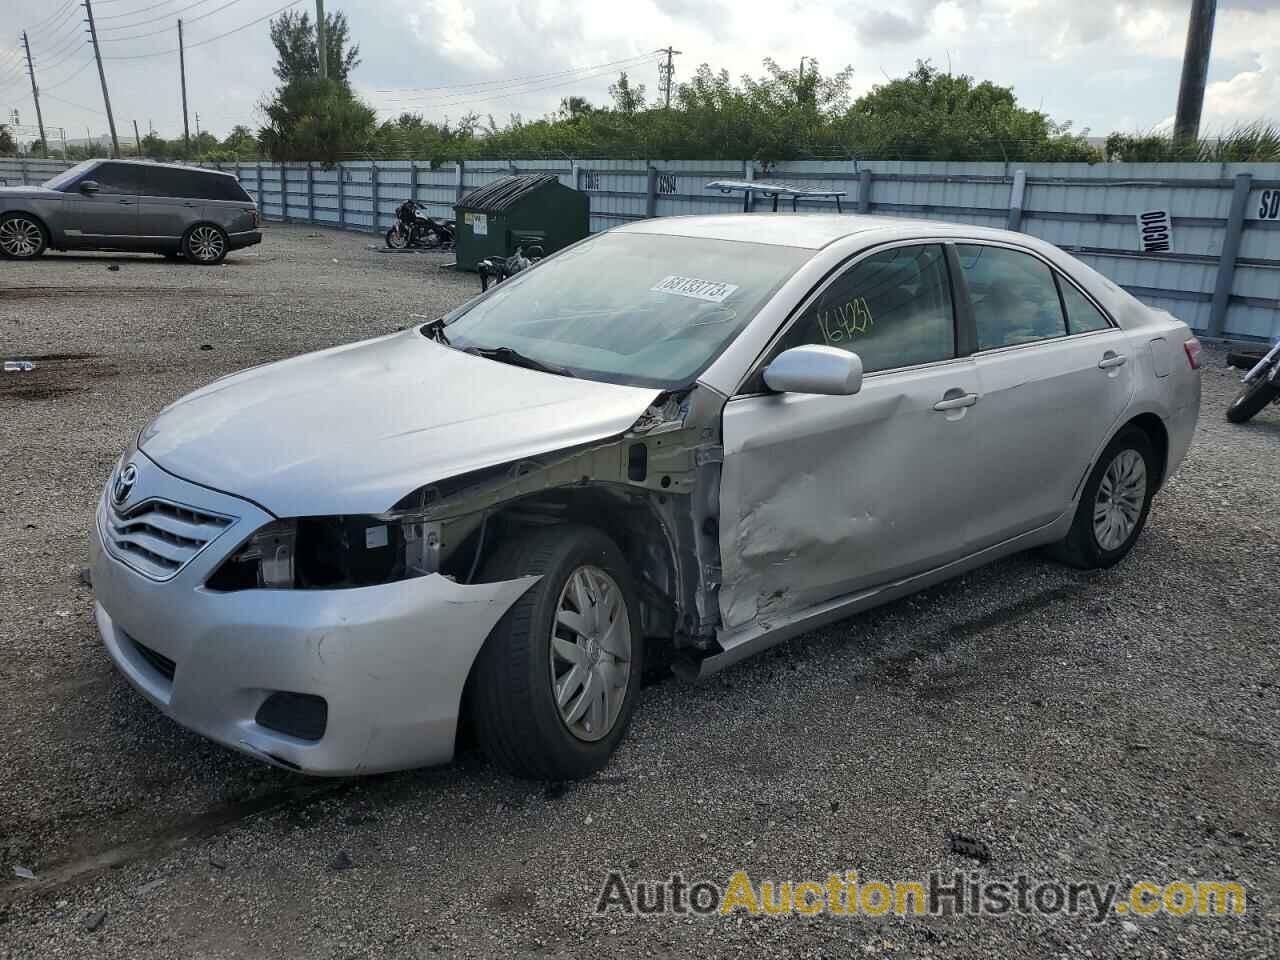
(221, 187)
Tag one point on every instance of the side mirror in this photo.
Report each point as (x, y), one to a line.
(815, 369)
(88, 186)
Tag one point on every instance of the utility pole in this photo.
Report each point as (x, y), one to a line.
(197, 126)
(137, 139)
(321, 46)
(62, 132)
(35, 95)
(666, 74)
(182, 69)
(102, 76)
(1195, 70)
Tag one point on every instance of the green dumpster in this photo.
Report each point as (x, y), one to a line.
(520, 211)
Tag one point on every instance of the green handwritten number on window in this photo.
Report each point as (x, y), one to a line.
(845, 321)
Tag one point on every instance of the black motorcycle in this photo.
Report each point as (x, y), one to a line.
(413, 228)
(1260, 387)
(497, 269)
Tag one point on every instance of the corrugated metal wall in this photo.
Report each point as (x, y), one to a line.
(1090, 210)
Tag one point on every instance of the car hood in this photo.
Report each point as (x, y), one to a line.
(353, 429)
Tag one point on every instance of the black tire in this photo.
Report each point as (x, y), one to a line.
(1081, 548)
(1251, 399)
(9, 245)
(396, 240)
(205, 244)
(510, 699)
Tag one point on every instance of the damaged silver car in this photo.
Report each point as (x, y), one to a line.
(705, 433)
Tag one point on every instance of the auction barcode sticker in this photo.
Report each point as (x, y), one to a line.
(710, 290)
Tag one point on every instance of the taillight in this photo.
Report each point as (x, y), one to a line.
(1193, 349)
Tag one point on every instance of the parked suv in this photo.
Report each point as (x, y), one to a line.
(172, 210)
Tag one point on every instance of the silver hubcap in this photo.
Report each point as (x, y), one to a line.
(206, 243)
(19, 237)
(398, 238)
(1120, 497)
(590, 653)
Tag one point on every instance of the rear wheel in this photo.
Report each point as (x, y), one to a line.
(205, 244)
(397, 239)
(554, 686)
(1114, 503)
(1251, 399)
(22, 237)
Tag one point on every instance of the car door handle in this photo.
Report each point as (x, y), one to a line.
(189, 204)
(1110, 360)
(955, 403)
(125, 202)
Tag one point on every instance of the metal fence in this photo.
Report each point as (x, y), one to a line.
(1201, 240)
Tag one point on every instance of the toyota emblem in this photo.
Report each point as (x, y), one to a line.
(125, 480)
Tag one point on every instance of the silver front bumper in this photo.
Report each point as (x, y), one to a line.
(390, 661)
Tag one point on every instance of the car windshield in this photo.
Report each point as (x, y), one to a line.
(629, 308)
(68, 176)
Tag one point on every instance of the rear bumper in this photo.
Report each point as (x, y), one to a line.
(247, 239)
(390, 661)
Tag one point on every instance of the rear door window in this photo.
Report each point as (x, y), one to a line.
(1082, 315)
(1015, 296)
(161, 181)
(892, 309)
(115, 178)
(215, 186)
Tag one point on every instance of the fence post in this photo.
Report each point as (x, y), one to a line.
(262, 201)
(651, 200)
(457, 185)
(1227, 258)
(748, 173)
(1015, 200)
(413, 179)
(342, 197)
(864, 191)
(311, 194)
(22, 161)
(373, 191)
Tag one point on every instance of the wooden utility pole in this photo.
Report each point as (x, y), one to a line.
(321, 46)
(136, 138)
(668, 72)
(182, 69)
(102, 76)
(35, 95)
(1195, 71)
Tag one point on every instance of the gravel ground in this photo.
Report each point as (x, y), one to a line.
(1112, 726)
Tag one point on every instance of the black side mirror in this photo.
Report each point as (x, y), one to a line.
(88, 186)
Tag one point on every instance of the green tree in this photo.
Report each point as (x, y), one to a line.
(314, 119)
(240, 142)
(626, 98)
(294, 37)
(7, 145)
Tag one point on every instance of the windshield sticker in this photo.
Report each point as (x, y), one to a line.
(692, 287)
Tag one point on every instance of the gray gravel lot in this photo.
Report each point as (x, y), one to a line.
(1113, 726)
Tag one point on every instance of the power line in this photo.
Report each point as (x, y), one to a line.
(466, 100)
(510, 80)
(71, 76)
(78, 106)
(134, 13)
(153, 33)
(41, 24)
(172, 13)
(245, 26)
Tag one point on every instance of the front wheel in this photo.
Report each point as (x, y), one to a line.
(554, 686)
(205, 244)
(1252, 398)
(397, 239)
(22, 237)
(1114, 503)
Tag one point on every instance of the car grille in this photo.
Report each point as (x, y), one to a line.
(158, 538)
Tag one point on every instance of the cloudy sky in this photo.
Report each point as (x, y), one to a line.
(1101, 64)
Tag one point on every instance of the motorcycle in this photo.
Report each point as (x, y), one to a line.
(497, 269)
(1260, 386)
(413, 228)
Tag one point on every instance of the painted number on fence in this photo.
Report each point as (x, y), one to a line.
(1155, 231)
(1268, 205)
(666, 183)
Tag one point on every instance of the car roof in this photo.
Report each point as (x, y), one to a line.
(811, 231)
(167, 166)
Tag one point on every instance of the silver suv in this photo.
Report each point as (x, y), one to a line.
(163, 208)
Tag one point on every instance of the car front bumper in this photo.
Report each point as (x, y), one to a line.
(248, 238)
(390, 661)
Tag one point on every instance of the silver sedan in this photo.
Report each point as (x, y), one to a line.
(707, 433)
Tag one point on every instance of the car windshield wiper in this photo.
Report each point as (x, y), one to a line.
(435, 330)
(517, 359)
